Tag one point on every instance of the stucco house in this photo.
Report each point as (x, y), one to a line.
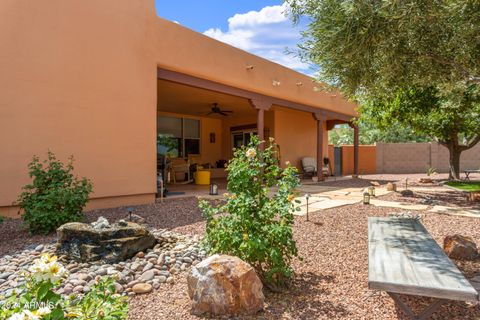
(100, 80)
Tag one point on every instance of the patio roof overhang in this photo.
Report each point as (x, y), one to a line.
(259, 101)
(262, 103)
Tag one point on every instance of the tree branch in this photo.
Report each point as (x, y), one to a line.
(473, 142)
(466, 73)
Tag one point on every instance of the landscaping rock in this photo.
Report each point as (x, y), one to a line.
(83, 275)
(474, 196)
(225, 285)
(112, 244)
(426, 180)
(391, 186)
(140, 288)
(460, 248)
(407, 193)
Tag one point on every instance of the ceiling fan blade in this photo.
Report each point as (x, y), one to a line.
(209, 113)
(227, 111)
(223, 113)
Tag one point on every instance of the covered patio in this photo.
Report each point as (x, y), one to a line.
(217, 118)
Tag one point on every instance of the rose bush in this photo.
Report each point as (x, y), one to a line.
(255, 222)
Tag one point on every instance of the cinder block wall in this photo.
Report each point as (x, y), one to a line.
(417, 157)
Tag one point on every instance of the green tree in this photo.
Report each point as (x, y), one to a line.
(370, 133)
(388, 53)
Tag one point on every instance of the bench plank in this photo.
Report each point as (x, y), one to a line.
(403, 258)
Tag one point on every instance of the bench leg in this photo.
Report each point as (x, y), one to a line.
(425, 314)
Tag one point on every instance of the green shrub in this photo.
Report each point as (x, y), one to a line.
(37, 299)
(54, 197)
(255, 223)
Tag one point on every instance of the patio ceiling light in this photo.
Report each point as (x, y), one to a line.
(299, 84)
(249, 67)
(275, 83)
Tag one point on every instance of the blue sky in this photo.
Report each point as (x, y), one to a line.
(259, 27)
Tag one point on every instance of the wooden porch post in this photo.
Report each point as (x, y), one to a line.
(261, 106)
(319, 118)
(261, 124)
(355, 149)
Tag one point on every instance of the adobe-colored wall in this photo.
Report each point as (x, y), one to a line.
(79, 77)
(367, 160)
(296, 134)
(418, 157)
(214, 60)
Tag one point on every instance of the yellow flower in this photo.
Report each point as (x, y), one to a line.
(287, 163)
(234, 196)
(291, 197)
(225, 194)
(245, 236)
(251, 153)
(47, 269)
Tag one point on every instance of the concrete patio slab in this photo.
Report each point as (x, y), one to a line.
(303, 200)
(399, 205)
(464, 212)
(332, 203)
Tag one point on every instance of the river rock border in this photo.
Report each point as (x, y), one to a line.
(146, 271)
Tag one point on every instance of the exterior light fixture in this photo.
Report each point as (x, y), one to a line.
(249, 67)
(317, 89)
(213, 189)
(299, 84)
(406, 183)
(275, 83)
(371, 191)
(130, 212)
(307, 196)
(366, 198)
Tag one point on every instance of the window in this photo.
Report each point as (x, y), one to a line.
(178, 137)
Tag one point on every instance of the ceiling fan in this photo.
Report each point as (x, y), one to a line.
(216, 109)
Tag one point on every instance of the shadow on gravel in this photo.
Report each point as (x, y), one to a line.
(301, 300)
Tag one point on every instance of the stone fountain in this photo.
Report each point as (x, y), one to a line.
(100, 240)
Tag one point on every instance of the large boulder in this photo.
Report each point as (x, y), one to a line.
(460, 247)
(225, 285)
(100, 240)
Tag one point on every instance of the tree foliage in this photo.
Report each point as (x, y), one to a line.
(413, 63)
(370, 133)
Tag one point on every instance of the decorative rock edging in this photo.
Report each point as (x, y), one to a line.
(146, 271)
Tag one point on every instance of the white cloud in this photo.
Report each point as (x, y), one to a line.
(267, 33)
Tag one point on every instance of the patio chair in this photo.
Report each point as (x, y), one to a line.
(180, 166)
(309, 167)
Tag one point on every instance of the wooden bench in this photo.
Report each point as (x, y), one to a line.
(404, 259)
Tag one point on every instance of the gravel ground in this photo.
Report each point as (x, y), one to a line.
(172, 213)
(331, 281)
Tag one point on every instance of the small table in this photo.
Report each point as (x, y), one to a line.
(468, 172)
